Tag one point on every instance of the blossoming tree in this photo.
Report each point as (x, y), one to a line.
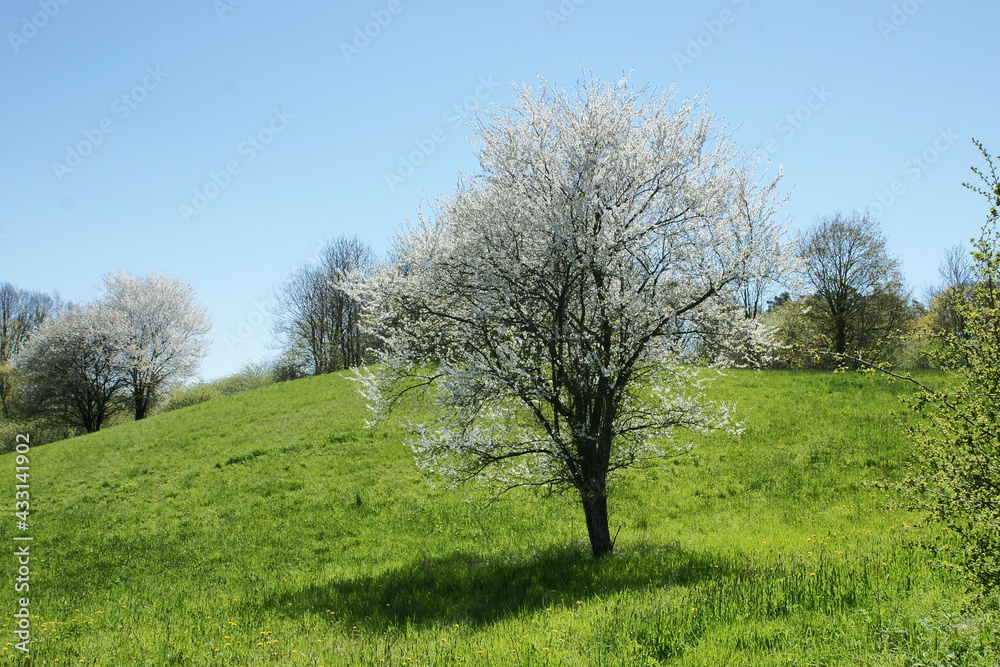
(546, 306)
(163, 334)
(72, 367)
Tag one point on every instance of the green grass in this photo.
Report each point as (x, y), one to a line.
(272, 528)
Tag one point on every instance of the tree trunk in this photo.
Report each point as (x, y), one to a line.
(596, 510)
(840, 335)
(91, 424)
(140, 407)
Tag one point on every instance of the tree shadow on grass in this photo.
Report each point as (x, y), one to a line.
(474, 590)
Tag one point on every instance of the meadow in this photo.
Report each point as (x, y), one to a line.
(272, 528)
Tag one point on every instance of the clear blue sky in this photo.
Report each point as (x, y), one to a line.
(115, 113)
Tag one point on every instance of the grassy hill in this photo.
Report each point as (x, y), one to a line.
(272, 528)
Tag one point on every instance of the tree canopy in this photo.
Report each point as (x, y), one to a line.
(85, 364)
(546, 305)
(857, 302)
(162, 336)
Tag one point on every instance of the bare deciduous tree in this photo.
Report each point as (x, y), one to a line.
(318, 315)
(21, 312)
(957, 281)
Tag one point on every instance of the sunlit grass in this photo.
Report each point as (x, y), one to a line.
(272, 528)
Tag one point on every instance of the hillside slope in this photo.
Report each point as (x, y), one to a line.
(272, 528)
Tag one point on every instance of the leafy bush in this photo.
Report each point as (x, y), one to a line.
(253, 375)
(41, 433)
(958, 483)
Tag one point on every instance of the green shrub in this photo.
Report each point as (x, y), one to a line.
(40, 432)
(188, 396)
(250, 376)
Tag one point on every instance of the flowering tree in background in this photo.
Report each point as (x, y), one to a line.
(162, 333)
(73, 367)
(546, 306)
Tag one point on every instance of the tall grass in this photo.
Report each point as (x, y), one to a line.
(272, 528)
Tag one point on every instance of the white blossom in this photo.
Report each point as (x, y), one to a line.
(547, 306)
(162, 334)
